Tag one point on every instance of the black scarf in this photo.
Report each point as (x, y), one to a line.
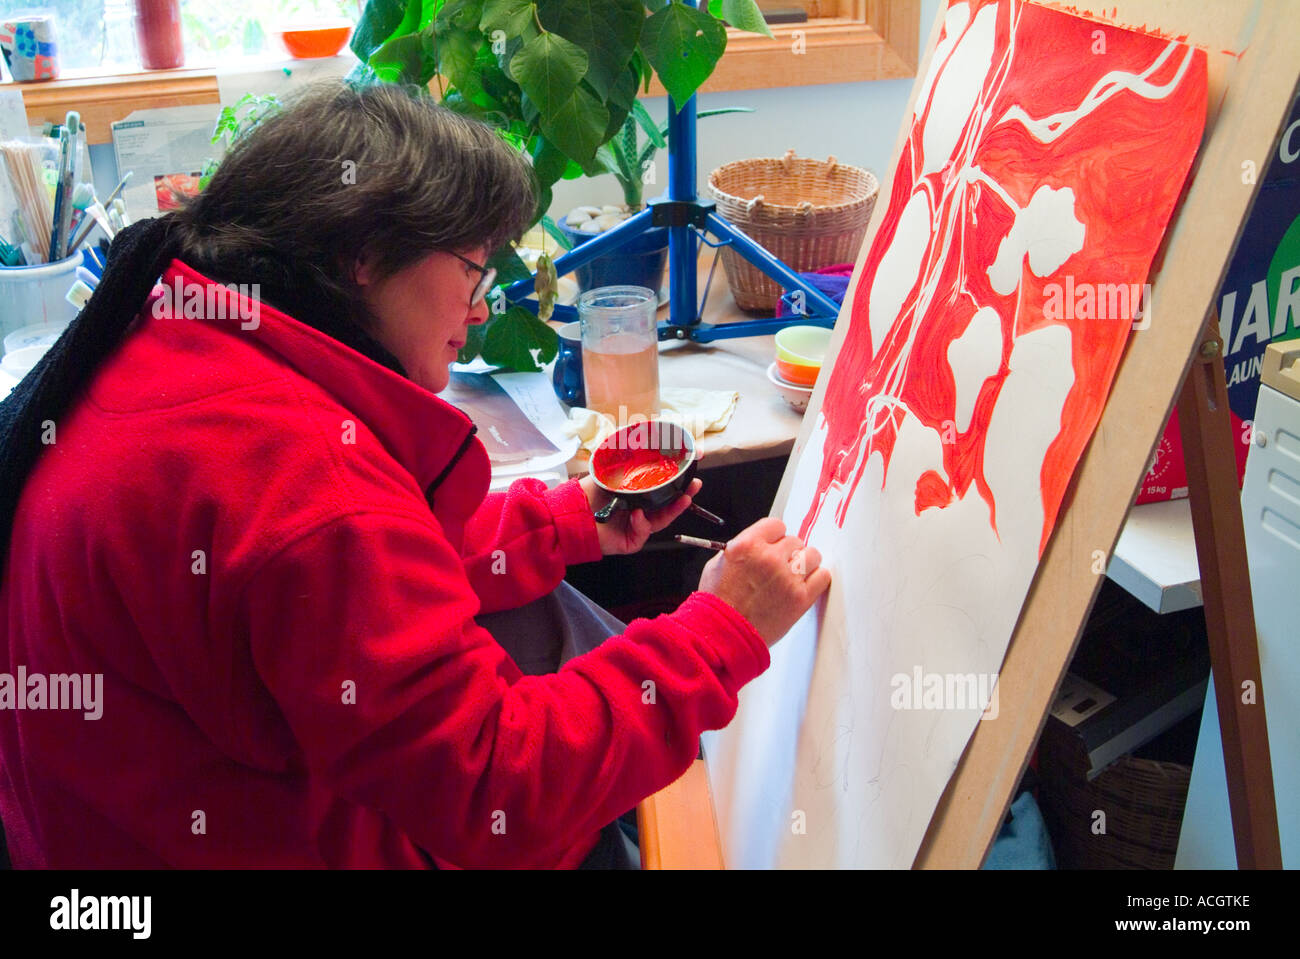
(138, 256)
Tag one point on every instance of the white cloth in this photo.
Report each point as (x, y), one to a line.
(696, 411)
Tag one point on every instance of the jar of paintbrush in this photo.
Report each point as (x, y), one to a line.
(47, 212)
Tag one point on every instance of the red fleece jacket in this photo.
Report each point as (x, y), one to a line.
(273, 550)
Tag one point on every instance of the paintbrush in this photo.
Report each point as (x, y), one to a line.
(69, 167)
(118, 189)
(95, 213)
(701, 511)
(696, 541)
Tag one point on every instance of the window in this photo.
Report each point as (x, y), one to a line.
(98, 36)
(842, 41)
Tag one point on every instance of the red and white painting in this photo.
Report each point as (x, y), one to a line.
(1045, 155)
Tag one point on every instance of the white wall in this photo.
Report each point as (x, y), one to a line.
(855, 122)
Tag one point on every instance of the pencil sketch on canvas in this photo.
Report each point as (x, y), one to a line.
(1044, 157)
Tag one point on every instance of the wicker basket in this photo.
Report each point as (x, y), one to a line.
(807, 213)
(1143, 800)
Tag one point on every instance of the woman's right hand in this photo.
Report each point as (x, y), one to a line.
(768, 577)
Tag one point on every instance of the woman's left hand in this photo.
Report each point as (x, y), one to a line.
(627, 530)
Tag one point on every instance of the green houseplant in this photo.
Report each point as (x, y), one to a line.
(631, 162)
(557, 78)
(236, 121)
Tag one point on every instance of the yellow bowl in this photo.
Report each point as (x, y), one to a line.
(803, 345)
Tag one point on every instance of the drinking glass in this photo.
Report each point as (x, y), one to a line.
(620, 352)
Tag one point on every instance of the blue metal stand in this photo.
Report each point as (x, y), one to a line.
(688, 219)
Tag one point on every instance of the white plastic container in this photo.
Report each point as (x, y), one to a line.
(18, 363)
(43, 334)
(32, 295)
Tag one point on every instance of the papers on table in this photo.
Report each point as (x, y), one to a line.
(520, 421)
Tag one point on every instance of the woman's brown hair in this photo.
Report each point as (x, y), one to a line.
(343, 172)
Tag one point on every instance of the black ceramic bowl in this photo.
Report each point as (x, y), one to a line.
(642, 453)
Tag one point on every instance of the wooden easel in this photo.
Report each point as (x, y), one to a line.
(1178, 357)
(1206, 424)
(677, 826)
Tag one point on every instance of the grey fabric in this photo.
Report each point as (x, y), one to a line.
(546, 633)
(615, 850)
(541, 637)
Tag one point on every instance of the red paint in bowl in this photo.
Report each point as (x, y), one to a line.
(637, 470)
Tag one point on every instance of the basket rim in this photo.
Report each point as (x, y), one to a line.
(873, 183)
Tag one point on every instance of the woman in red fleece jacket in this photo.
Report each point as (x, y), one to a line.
(235, 508)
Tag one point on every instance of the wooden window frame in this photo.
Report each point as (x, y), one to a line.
(866, 40)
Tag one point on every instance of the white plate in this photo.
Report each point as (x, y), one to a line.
(796, 396)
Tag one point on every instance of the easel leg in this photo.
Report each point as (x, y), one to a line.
(1206, 425)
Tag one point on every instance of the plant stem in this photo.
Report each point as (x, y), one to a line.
(538, 20)
(632, 193)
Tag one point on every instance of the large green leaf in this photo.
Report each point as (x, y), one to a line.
(741, 14)
(549, 164)
(512, 337)
(683, 44)
(402, 60)
(512, 16)
(577, 126)
(380, 21)
(623, 92)
(545, 196)
(454, 52)
(548, 69)
(461, 14)
(510, 268)
(619, 102)
(606, 29)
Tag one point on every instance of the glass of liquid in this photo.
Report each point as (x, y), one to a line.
(620, 352)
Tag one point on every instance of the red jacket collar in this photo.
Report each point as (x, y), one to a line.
(425, 434)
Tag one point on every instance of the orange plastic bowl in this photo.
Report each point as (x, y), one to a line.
(797, 373)
(313, 42)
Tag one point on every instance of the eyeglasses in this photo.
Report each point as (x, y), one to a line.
(488, 277)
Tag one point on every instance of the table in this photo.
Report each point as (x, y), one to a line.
(1155, 557)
